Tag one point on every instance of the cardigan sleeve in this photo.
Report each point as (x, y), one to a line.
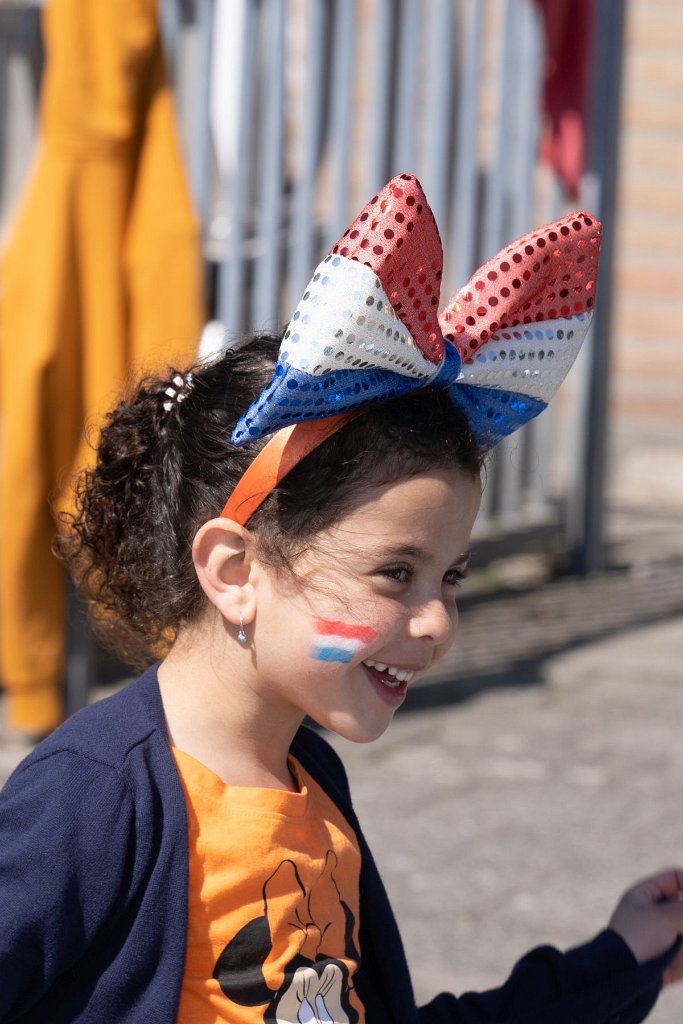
(65, 827)
(597, 983)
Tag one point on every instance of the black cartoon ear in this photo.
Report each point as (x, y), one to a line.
(350, 923)
(349, 920)
(238, 968)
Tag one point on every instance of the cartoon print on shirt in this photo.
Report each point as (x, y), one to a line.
(313, 986)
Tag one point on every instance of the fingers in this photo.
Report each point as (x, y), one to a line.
(666, 885)
(649, 917)
(671, 883)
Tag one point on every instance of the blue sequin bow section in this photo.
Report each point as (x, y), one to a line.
(368, 328)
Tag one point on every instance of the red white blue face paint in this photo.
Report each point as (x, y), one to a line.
(339, 641)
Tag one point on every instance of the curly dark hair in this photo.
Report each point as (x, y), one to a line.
(164, 468)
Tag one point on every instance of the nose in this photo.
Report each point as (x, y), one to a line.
(436, 620)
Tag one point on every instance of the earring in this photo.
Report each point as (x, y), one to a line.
(242, 636)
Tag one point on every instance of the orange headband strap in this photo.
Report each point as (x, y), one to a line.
(277, 458)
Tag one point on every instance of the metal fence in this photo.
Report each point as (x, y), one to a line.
(322, 104)
(294, 112)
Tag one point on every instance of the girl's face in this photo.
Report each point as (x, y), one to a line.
(372, 607)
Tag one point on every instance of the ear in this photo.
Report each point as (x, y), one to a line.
(222, 556)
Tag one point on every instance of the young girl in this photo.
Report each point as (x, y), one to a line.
(187, 849)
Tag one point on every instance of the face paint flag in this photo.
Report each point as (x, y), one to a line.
(339, 641)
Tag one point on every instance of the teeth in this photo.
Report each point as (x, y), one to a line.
(400, 675)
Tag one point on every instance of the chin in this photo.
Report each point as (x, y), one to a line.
(354, 731)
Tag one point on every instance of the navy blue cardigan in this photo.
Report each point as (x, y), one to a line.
(93, 895)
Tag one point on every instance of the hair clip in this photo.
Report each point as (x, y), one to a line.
(179, 392)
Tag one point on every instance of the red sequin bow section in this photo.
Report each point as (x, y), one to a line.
(368, 327)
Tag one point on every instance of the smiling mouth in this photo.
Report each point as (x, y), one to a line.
(390, 676)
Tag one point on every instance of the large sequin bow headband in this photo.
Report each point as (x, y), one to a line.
(368, 329)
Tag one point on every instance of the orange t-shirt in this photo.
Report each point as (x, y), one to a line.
(273, 910)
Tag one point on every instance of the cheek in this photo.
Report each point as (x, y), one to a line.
(335, 641)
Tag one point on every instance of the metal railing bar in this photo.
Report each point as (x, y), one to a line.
(199, 133)
(523, 111)
(494, 207)
(586, 511)
(265, 305)
(231, 273)
(439, 93)
(302, 242)
(541, 431)
(341, 117)
(21, 62)
(537, 434)
(463, 224)
(379, 107)
(5, 148)
(494, 201)
(170, 22)
(526, 115)
(404, 126)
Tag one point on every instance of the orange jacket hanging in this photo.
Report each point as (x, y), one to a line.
(101, 275)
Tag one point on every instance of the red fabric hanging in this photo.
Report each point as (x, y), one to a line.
(568, 28)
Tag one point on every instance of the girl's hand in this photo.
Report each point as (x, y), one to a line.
(649, 918)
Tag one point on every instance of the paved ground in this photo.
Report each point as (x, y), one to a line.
(539, 772)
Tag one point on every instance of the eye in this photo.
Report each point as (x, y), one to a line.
(399, 573)
(454, 577)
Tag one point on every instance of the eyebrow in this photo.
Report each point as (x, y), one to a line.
(410, 551)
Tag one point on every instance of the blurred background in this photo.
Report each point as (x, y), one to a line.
(170, 174)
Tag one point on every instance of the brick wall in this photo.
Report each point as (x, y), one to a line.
(647, 382)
